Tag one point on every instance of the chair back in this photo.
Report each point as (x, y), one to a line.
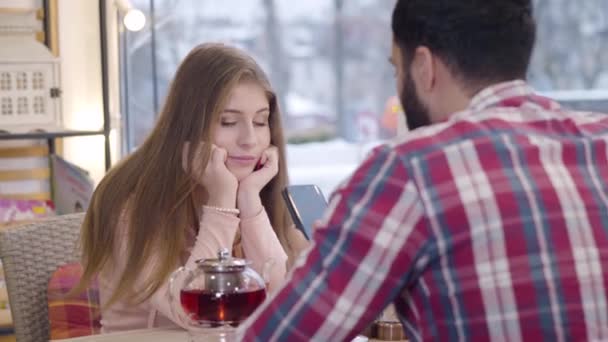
(30, 254)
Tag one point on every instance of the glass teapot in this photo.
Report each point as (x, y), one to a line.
(218, 294)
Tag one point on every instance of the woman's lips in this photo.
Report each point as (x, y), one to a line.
(243, 160)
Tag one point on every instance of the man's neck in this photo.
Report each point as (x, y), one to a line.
(454, 99)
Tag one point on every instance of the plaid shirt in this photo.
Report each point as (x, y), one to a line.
(492, 225)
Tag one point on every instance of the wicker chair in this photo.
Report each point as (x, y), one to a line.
(30, 254)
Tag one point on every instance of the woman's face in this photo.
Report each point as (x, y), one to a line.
(243, 128)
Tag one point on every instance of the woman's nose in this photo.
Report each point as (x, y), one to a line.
(247, 136)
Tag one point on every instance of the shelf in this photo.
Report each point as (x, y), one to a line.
(51, 136)
(47, 135)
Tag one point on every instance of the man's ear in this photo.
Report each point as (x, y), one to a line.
(423, 68)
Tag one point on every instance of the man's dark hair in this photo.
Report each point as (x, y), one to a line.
(480, 41)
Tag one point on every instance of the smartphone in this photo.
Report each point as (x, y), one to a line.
(306, 204)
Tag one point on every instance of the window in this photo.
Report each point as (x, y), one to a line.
(22, 107)
(322, 63)
(570, 61)
(7, 106)
(37, 80)
(22, 81)
(39, 105)
(5, 81)
(327, 60)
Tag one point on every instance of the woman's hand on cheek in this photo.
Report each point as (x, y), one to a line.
(269, 167)
(248, 197)
(220, 183)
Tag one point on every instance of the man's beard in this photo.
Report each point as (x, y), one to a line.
(416, 113)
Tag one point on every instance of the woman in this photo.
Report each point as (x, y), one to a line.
(208, 176)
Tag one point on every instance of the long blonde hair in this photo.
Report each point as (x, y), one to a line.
(158, 191)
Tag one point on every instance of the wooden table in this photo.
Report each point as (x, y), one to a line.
(150, 335)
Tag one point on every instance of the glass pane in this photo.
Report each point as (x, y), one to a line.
(38, 80)
(21, 81)
(571, 47)
(5, 81)
(7, 106)
(39, 105)
(138, 80)
(22, 106)
(570, 61)
(368, 84)
(327, 60)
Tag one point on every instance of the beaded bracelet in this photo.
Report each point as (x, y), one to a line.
(233, 211)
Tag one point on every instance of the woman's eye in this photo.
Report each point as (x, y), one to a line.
(261, 123)
(228, 123)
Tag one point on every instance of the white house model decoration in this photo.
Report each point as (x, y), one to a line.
(29, 73)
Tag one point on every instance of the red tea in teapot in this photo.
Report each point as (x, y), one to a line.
(202, 305)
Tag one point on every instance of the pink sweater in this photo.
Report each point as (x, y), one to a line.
(217, 230)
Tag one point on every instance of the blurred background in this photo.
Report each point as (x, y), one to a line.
(327, 60)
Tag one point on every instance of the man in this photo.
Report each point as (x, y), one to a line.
(488, 221)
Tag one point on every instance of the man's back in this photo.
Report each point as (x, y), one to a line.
(489, 226)
(515, 197)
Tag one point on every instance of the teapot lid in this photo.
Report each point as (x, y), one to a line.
(224, 263)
